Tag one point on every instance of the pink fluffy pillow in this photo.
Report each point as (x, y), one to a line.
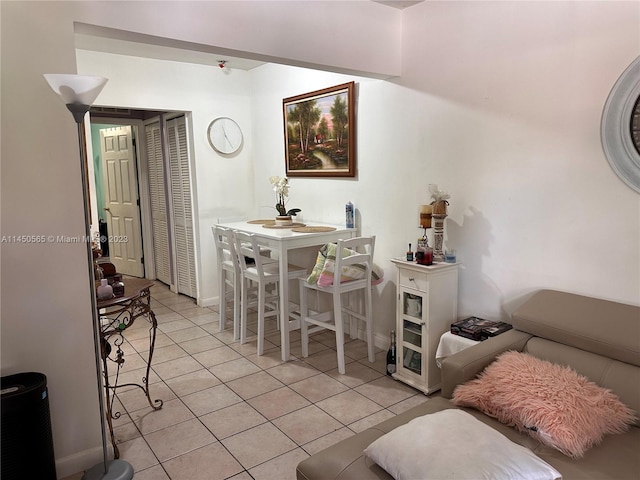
(550, 402)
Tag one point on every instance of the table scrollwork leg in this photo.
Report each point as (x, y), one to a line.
(113, 325)
(106, 351)
(155, 404)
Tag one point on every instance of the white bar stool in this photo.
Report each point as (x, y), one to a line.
(264, 272)
(356, 256)
(229, 277)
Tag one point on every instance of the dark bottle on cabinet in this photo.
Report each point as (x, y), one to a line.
(409, 254)
(391, 354)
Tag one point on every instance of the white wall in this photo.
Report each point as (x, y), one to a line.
(46, 310)
(223, 185)
(378, 192)
(239, 186)
(45, 299)
(504, 101)
(498, 103)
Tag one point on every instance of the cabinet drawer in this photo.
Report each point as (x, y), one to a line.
(416, 280)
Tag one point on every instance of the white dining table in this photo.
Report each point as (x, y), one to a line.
(283, 240)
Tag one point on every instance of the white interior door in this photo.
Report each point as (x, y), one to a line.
(157, 191)
(121, 200)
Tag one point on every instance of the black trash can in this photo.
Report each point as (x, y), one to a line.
(27, 441)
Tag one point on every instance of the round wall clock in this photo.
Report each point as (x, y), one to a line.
(224, 135)
(620, 130)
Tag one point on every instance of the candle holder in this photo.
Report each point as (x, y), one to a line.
(438, 236)
(438, 214)
(424, 253)
(425, 217)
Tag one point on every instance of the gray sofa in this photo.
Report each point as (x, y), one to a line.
(598, 338)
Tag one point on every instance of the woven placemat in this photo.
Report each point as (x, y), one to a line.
(262, 222)
(285, 226)
(313, 229)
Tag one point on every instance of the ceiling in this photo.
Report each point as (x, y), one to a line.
(401, 4)
(105, 40)
(161, 52)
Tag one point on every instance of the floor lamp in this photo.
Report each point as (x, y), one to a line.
(78, 92)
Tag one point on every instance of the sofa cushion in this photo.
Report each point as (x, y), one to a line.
(591, 324)
(550, 402)
(619, 377)
(453, 444)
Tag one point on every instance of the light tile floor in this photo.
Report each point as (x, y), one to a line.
(229, 413)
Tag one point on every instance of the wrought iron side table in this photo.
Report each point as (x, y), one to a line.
(116, 315)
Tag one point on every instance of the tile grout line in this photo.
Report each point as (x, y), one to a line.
(226, 341)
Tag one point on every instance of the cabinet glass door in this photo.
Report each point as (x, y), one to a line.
(412, 360)
(412, 332)
(412, 346)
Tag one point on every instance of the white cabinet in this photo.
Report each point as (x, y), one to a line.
(427, 304)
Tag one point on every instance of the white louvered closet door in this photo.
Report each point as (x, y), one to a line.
(182, 214)
(158, 203)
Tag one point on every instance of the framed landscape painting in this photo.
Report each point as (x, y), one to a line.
(319, 133)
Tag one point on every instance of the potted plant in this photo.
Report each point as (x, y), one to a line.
(281, 187)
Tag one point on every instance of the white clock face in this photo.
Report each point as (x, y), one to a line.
(225, 135)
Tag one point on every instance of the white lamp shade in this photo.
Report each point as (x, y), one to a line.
(76, 89)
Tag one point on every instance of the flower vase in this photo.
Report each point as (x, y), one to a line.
(284, 220)
(105, 291)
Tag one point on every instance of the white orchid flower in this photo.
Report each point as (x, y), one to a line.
(281, 187)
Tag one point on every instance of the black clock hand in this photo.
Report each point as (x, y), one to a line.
(225, 136)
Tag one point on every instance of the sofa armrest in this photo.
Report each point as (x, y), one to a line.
(467, 364)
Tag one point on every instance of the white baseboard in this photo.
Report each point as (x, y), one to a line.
(209, 302)
(381, 341)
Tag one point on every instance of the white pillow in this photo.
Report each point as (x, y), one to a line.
(452, 444)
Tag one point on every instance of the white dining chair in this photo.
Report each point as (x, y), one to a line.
(354, 255)
(229, 277)
(266, 275)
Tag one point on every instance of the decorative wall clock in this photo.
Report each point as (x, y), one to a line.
(225, 135)
(620, 130)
